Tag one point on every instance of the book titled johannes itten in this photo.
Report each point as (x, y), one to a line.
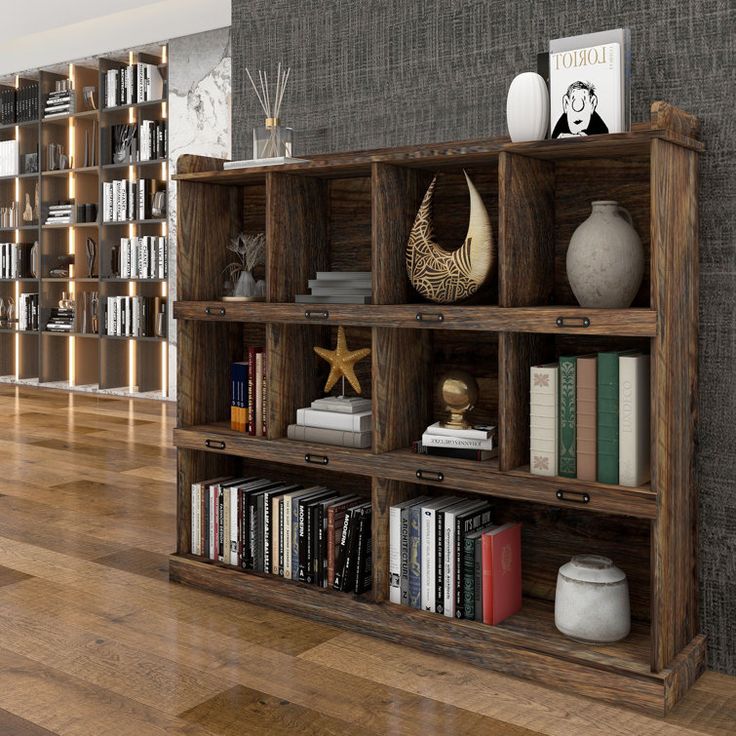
(589, 84)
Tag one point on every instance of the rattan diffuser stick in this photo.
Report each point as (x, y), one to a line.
(271, 103)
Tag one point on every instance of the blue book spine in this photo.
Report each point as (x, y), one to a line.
(415, 557)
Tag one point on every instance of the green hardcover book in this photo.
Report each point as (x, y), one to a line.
(567, 465)
(607, 420)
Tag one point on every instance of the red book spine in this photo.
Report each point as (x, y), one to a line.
(487, 577)
(264, 398)
(251, 391)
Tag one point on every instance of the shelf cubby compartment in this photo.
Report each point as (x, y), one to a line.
(398, 194)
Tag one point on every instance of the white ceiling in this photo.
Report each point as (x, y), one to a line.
(39, 33)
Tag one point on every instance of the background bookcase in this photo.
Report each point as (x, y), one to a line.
(354, 211)
(82, 361)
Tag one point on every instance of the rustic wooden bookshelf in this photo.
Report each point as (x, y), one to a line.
(354, 212)
(134, 366)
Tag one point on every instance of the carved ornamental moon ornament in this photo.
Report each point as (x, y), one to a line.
(448, 276)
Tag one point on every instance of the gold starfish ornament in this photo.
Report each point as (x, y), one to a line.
(342, 361)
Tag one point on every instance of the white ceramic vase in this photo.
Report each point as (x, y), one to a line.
(527, 108)
(605, 259)
(592, 600)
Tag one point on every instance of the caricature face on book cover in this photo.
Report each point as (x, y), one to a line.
(585, 91)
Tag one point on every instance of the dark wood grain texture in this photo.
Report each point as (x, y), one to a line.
(674, 410)
(617, 322)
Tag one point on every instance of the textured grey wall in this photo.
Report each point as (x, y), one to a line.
(379, 73)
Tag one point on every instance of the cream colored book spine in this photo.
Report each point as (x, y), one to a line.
(544, 430)
(633, 396)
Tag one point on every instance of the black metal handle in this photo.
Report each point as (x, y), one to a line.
(430, 475)
(312, 314)
(219, 311)
(316, 459)
(430, 317)
(573, 496)
(215, 444)
(572, 322)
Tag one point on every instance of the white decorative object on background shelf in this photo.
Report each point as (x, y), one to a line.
(527, 108)
(592, 600)
(605, 260)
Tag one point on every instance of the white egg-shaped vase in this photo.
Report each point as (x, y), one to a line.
(605, 259)
(592, 600)
(527, 108)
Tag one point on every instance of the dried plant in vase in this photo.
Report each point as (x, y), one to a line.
(250, 252)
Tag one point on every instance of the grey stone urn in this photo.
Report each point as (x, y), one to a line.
(605, 259)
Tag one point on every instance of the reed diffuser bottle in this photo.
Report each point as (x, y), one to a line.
(271, 140)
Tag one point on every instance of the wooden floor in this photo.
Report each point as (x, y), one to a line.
(94, 640)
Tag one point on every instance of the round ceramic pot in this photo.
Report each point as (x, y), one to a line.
(527, 108)
(592, 600)
(605, 260)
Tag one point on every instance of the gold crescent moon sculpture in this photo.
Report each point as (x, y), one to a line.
(448, 276)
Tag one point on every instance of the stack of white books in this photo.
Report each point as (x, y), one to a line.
(338, 287)
(473, 443)
(335, 420)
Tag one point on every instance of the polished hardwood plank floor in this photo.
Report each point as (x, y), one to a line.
(95, 641)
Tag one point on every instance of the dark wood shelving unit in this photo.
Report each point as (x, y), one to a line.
(67, 361)
(353, 211)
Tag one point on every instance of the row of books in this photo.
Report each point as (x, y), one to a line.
(133, 83)
(310, 534)
(474, 443)
(143, 257)
(338, 287)
(135, 316)
(124, 200)
(447, 557)
(248, 394)
(335, 420)
(19, 105)
(28, 311)
(15, 260)
(590, 418)
(9, 158)
(130, 142)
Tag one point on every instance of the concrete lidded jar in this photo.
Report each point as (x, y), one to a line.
(592, 600)
(605, 259)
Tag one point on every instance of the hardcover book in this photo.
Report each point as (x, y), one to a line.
(544, 430)
(398, 547)
(501, 573)
(634, 400)
(342, 421)
(361, 440)
(459, 443)
(428, 543)
(586, 406)
(465, 523)
(568, 417)
(589, 84)
(607, 422)
(415, 556)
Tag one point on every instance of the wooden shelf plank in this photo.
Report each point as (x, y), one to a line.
(617, 322)
(526, 645)
(404, 465)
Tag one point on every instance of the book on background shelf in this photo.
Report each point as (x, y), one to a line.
(324, 419)
(429, 550)
(459, 443)
(15, 260)
(28, 311)
(399, 549)
(468, 521)
(607, 417)
(544, 436)
(338, 287)
(358, 440)
(634, 451)
(342, 404)
(478, 432)
(501, 577)
(335, 420)
(567, 460)
(238, 390)
(454, 452)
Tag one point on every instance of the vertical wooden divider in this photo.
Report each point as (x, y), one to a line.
(297, 245)
(526, 255)
(208, 217)
(401, 364)
(674, 410)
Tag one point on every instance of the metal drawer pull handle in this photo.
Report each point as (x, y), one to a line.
(427, 317)
(220, 311)
(573, 496)
(316, 459)
(215, 444)
(310, 314)
(572, 322)
(430, 475)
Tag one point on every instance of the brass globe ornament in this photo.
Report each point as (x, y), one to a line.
(459, 393)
